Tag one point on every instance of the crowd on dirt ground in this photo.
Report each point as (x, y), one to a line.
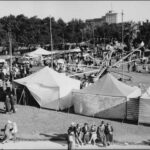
(7, 91)
(10, 130)
(79, 135)
(71, 63)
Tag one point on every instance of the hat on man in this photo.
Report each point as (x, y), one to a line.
(9, 121)
(102, 122)
(72, 123)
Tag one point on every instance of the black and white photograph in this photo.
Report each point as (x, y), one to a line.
(74, 75)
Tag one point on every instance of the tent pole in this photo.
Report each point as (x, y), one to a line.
(24, 98)
(138, 111)
(20, 97)
(27, 98)
(58, 101)
(126, 108)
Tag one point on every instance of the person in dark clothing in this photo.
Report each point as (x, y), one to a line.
(7, 103)
(71, 136)
(21, 71)
(12, 102)
(86, 133)
(8, 87)
(84, 77)
(27, 70)
(11, 76)
(109, 134)
(128, 65)
(2, 76)
(101, 133)
(79, 134)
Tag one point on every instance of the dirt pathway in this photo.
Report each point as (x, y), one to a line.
(63, 145)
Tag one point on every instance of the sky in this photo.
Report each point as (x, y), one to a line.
(67, 10)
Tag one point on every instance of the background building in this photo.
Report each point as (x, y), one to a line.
(110, 17)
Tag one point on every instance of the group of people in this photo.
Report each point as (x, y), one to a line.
(8, 96)
(10, 103)
(18, 70)
(10, 130)
(82, 135)
(21, 70)
(86, 81)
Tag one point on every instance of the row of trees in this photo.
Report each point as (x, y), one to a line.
(34, 30)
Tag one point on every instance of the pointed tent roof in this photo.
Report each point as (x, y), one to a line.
(46, 77)
(41, 77)
(108, 85)
(47, 85)
(38, 52)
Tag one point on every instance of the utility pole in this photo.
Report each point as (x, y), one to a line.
(82, 34)
(73, 31)
(111, 6)
(122, 44)
(63, 42)
(51, 41)
(104, 41)
(122, 27)
(10, 48)
(93, 35)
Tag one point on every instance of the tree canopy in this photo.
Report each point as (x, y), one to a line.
(33, 30)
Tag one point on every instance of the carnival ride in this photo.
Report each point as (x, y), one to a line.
(106, 66)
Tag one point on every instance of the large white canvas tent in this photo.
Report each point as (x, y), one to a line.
(144, 112)
(38, 52)
(106, 98)
(50, 89)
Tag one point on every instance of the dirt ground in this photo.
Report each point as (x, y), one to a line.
(39, 124)
(63, 145)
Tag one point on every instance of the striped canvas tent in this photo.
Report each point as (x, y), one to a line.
(144, 112)
(106, 98)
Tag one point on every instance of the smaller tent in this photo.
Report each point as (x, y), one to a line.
(106, 98)
(50, 89)
(38, 52)
(144, 111)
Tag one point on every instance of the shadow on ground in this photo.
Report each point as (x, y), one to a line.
(56, 138)
(2, 111)
(147, 142)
